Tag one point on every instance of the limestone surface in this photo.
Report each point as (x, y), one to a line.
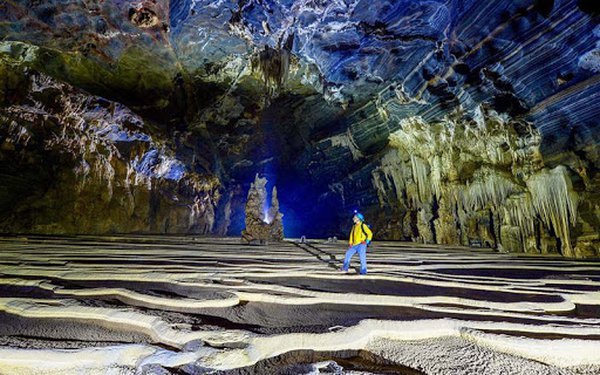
(186, 305)
(263, 223)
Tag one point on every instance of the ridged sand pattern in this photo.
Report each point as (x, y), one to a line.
(153, 305)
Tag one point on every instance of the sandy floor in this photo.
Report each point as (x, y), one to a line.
(184, 305)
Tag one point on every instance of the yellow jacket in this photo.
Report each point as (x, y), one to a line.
(357, 235)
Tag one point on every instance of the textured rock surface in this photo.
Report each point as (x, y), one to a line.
(183, 305)
(263, 222)
(76, 163)
(451, 122)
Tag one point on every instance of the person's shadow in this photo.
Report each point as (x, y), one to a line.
(323, 256)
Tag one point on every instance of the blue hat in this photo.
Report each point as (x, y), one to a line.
(359, 216)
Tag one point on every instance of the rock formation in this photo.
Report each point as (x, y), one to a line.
(76, 163)
(262, 224)
(449, 122)
(275, 218)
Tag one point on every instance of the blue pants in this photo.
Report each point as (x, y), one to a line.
(361, 248)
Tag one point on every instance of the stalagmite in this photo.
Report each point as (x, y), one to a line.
(262, 223)
(275, 218)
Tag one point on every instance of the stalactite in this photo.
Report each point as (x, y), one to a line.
(420, 170)
(436, 175)
(489, 189)
(380, 187)
(519, 212)
(390, 176)
(274, 66)
(555, 202)
(475, 163)
(338, 189)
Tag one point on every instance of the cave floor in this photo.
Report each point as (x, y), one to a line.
(191, 305)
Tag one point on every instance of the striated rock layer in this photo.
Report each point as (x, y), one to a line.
(449, 122)
(183, 305)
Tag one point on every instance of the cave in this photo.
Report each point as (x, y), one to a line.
(469, 126)
(470, 132)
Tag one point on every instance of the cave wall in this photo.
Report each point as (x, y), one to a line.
(450, 122)
(72, 163)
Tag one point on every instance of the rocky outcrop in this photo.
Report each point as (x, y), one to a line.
(75, 163)
(479, 182)
(263, 223)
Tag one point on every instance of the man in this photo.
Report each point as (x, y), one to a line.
(360, 238)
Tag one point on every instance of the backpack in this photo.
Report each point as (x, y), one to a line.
(363, 229)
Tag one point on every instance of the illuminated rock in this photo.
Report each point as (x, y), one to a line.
(262, 224)
(275, 217)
